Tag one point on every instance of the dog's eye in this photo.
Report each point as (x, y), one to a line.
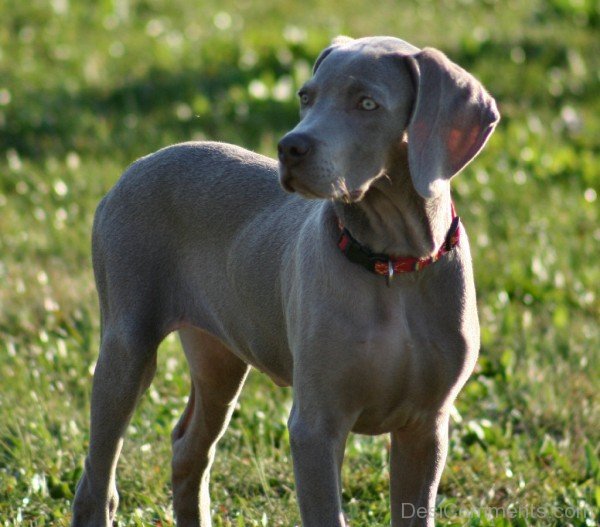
(368, 104)
(304, 98)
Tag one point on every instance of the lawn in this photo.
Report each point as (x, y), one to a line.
(87, 87)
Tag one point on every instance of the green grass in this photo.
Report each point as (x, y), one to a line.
(86, 87)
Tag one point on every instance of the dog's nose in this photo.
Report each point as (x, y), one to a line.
(293, 148)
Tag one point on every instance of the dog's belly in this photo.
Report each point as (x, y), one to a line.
(264, 350)
(269, 358)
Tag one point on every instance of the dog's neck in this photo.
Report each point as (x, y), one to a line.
(393, 219)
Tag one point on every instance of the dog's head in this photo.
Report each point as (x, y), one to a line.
(365, 98)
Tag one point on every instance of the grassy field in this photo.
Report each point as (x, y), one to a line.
(86, 87)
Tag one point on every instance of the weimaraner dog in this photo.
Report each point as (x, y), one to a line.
(354, 287)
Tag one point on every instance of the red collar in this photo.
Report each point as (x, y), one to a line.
(388, 265)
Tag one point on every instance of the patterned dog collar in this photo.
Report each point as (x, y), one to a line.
(387, 265)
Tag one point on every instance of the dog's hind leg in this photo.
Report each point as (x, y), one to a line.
(125, 368)
(217, 378)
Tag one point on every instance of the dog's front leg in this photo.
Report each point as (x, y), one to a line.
(317, 442)
(417, 460)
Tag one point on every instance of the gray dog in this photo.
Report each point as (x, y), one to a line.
(355, 287)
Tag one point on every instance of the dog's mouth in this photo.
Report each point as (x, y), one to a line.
(304, 191)
(338, 189)
(346, 197)
(294, 185)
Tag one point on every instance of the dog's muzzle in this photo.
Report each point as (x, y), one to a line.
(292, 150)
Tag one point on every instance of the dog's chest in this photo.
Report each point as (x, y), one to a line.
(412, 364)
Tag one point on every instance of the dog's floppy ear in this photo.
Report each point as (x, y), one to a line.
(335, 43)
(452, 118)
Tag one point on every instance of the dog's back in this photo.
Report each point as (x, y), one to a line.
(186, 232)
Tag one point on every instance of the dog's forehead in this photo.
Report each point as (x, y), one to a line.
(365, 58)
(382, 45)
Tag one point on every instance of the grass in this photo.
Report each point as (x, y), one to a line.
(85, 88)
